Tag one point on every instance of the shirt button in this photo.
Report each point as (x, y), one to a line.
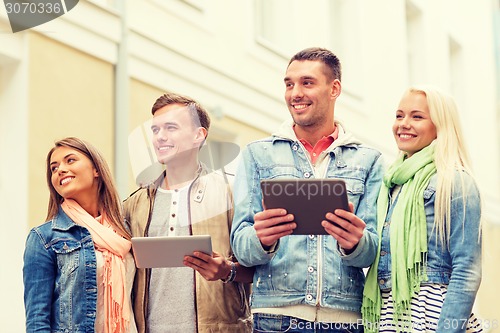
(381, 281)
(309, 297)
(310, 269)
(173, 215)
(382, 253)
(311, 236)
(307, 175)
(294, 147)
(171, 228)
(174, 203)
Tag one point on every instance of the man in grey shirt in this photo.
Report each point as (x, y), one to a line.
(211, 292)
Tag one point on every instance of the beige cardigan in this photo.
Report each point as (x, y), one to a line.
(220, 307)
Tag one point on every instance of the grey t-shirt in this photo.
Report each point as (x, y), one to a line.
(171, 290)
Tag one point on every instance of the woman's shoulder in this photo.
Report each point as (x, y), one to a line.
(42, 233)
(44, 228)
(464, 185)
(462, 182)
(59, 226)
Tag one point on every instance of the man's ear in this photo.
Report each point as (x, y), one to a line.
(336, 88)
(201, 135)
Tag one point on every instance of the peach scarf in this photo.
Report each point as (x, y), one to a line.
(114, 248)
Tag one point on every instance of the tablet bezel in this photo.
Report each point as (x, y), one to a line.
(168, 251)
(309, 208)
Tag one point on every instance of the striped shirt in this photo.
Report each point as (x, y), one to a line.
(425, 311)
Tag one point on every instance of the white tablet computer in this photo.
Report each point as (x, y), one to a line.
(307, 199)
(168, 251)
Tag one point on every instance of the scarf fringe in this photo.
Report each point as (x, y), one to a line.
(371, 317)
(118, 324)
(409, 228)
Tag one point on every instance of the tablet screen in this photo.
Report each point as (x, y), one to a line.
(307, 199)
(168, 251)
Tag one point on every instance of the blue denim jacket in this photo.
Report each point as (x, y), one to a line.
(59, 273)
(289, 275)
(457, 265)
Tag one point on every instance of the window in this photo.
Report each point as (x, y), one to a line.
(416, 44)
(347, 40)
(274, 25)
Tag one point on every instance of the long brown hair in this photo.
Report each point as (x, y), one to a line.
(109, 201)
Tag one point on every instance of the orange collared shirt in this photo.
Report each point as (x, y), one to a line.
(321, 145)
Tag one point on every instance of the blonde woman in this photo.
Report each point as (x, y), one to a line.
(78, 270)
(428, 268)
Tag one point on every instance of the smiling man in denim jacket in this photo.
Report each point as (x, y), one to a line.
(308, 283)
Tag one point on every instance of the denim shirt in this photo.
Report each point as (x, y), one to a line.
(457, 265)
(59, 273)
(290, 275)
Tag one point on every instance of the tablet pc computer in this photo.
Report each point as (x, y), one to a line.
(307, 199)
(168, 251)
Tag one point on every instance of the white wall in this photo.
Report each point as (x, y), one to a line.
(13, 177)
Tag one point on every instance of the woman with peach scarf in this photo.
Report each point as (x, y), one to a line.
(78, 270)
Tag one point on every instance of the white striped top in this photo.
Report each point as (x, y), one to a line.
(425, 311)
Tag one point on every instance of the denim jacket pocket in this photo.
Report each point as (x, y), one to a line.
(354, 186)
(355, 189)
(68, 255)
(280, 171)
(354, 181)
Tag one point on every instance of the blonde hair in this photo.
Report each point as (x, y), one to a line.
(108, 198)
(450, 154)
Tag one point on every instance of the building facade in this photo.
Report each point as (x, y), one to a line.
(96, 71)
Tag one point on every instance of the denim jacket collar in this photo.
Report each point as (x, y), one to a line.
(286, 133)
(61, 221)
(345, 139)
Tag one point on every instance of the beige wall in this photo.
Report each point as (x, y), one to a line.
(489, 291)
(70, 94)
(244, 133)
(142, 98)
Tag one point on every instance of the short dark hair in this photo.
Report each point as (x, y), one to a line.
(198, 113)
(325, 56)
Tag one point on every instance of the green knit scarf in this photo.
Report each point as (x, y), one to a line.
(408, 235)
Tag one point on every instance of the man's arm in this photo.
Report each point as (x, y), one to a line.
(358, 239)
(255, 230)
